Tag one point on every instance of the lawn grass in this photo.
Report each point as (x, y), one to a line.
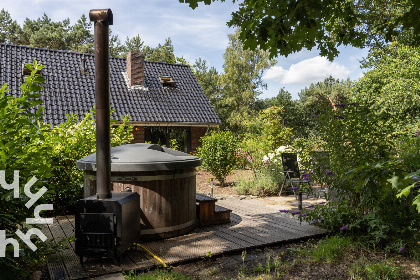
(331, 248)
(386, 270)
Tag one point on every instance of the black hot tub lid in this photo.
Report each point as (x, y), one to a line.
(142, 157)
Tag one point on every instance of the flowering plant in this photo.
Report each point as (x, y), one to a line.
(250, 152)
(266, 168)
(365, 176)
(275, 157)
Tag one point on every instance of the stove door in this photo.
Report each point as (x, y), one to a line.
(96, 235)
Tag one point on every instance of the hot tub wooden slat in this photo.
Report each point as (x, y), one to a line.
(175, 207)
(183, 203)
(159, 219)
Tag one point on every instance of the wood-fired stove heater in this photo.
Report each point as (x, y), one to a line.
(107, 223)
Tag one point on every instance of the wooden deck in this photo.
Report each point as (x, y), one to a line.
(252, 225)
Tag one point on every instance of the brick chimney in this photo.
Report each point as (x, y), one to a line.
(135, 68)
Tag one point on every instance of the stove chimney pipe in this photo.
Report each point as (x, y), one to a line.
(103, 19)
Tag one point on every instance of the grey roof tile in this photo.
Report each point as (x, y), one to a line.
(66, 90)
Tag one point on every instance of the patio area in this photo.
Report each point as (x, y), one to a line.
(254, 223)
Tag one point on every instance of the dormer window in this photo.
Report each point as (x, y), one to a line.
(167, 81)
(27, 72)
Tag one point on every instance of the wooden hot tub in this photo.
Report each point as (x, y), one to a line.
(165, 180)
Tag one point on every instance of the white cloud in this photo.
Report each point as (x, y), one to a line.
(307, 71)
(275, 73)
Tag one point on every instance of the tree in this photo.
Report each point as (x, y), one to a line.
(274, 130)
(80, 38)
(115, 47)
(45, 33)
(9, 29)
(322, 96)
(292, 116)
(241, 82)
(208, 79)
(134, 44)
(319, 99)
(60, 35)
(161, 53)
(284, 27)
(315, 100)
(391, 89)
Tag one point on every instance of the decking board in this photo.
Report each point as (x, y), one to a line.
(55, 265)
(252, 225)
(235, 240)
(274, 219)
(71, 261)
(141, 259)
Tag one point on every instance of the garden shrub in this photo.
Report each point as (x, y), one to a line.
(407, 148)
(372, 144)
(30, 146)
(266, 168)
(22, 148)
(266, 133)
(73, 140)
(251, 151)
(308, 150)
(264, 182)
(388, 223)
(260, 152)
(218, 152)
(366, 177)
(353, 137)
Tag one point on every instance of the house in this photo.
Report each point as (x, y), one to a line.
(164, 100)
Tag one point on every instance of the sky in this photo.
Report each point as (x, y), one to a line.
(194, 33)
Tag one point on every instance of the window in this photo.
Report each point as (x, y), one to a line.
(27, 72)
(172, 137)
(167, 81)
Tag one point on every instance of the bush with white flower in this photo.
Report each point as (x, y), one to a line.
(275, 157)
(267, 169)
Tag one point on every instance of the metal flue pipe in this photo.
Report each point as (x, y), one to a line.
(103, 19)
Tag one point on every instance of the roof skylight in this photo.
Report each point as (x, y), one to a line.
(167, 81)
